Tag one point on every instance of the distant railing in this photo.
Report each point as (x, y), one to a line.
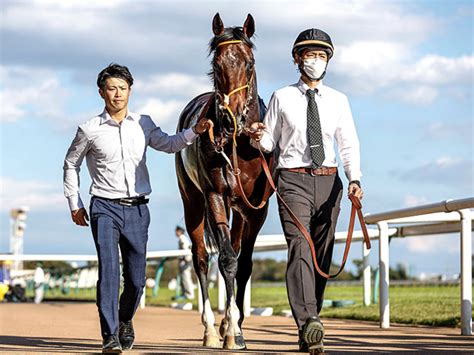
(427, 219)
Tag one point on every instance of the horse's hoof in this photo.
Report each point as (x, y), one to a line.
(223, 327)
(234, 342)
(211, 341)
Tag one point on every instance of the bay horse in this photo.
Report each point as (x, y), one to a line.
(216, 213)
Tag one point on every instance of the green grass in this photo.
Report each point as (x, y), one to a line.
(426, 305)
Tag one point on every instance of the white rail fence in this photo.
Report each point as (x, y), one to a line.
(436, 218)
(444, 217)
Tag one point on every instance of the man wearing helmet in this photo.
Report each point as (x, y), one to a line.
(304, 120)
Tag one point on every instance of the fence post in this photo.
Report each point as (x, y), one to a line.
(466, 272)
(200, 300)
(221, 293)
(384, 303)
(159, 272)
(247, 297)
(366, 274)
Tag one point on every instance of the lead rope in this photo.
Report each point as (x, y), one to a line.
(356, 207)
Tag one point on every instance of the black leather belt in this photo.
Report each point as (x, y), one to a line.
(128, 201)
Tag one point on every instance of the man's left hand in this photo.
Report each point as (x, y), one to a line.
(356, 190)
(203, 125)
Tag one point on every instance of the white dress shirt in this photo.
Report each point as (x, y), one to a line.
(286, 122)
(116, 156)
(185, 244)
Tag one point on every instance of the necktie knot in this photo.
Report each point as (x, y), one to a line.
(311, 93)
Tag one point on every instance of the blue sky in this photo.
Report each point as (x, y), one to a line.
(406, 66)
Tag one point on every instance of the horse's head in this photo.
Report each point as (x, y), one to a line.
(233, 74)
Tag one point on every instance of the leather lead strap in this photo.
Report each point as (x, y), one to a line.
(236, 172)
(356, 207)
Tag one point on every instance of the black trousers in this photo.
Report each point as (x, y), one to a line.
(316, 201)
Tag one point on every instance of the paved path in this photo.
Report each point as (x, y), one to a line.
(73, 328)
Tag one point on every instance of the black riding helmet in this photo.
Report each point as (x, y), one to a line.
(313, 38)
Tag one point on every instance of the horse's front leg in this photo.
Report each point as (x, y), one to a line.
(194, 206)
(230, 330)
(254, 221)
(201, 258)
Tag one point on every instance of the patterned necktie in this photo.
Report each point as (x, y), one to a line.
(315, 137)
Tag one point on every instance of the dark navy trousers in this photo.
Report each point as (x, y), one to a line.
(126, 227)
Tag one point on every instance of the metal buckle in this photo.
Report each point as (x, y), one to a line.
(125, 202)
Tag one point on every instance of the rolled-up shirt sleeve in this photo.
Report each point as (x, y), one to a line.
(272, 131)
(161, 141)
(72, 167)
(348, 143)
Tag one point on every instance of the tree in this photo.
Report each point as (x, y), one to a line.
(58, 267)
(359, 264)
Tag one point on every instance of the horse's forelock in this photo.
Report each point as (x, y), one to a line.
(230, 33)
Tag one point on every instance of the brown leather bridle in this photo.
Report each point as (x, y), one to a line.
(226, 97)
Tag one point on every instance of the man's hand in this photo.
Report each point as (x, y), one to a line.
(356, 190)
(80, 217)
(203, 125)
(256, 131)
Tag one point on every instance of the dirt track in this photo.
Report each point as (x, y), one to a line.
(74, 328)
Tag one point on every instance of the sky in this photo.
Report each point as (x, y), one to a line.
(406, 66)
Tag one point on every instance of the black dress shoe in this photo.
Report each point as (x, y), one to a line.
(312, 334)
(126, 335)
(303, 346)
(111, 345)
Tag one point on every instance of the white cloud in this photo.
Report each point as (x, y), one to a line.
(446, 170)
(411, 201)
(164, 113)
(177, 84)
(37, 195)
(376, 42)
(427, 244)
(369, 66)
(28, 92)
(462, 130)
(416, 95)
(437, 70)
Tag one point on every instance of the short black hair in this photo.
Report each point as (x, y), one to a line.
(114, 70)
(179, 228)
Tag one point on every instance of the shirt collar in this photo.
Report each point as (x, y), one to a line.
(303, 87)
(105, 117)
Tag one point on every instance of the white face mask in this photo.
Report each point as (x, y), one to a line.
(314, 68)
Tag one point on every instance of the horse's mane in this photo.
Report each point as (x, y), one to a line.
(230, 33)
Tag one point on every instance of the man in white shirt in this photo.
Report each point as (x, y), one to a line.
(304, 120)
(114, 144)
(39, 279)
(185, 265)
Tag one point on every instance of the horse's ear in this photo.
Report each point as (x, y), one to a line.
(217, 25)
(249, 26)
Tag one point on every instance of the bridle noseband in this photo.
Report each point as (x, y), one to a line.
(226, 97)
